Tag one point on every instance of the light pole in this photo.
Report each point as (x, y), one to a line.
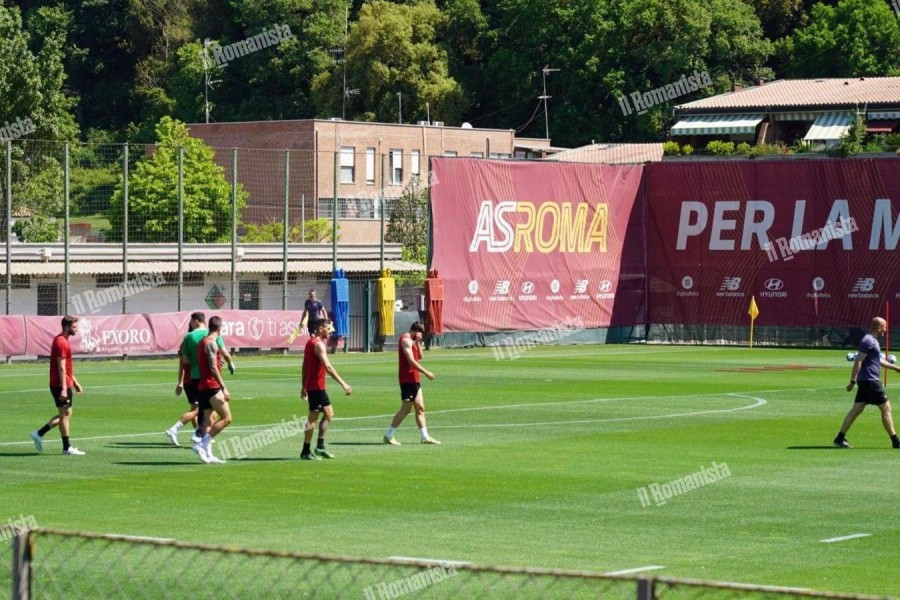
(400, 107)
(544, 72)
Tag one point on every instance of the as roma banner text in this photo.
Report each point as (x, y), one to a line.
(814, 241)
(527, 245)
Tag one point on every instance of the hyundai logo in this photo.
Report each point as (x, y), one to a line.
(773, 285)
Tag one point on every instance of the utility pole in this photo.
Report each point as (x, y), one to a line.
(400, 107)
(544, 72)
(346, 31)
(208, 81)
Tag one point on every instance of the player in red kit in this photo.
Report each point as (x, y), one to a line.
(62, 385)
(410, 352)
(312, 389)
(213, 395)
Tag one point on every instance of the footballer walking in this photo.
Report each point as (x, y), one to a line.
(410, 351)
(62, 386)
(312, 389)
(212, 393)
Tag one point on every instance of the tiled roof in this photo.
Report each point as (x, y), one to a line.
(611, 153)
(789, 93)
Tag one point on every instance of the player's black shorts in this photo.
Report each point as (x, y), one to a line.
(60, 403)
(204, 397)
(870, 392)
(192, 392)
(409, 391)
(318, 400)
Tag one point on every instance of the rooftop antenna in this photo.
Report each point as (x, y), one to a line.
(544, 72)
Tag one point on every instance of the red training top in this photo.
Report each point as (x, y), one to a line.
(207, 379)
(409, 374)
(313, 369)
(60, 349)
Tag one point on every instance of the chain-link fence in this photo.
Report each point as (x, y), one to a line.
(199, 227)
(57, 564)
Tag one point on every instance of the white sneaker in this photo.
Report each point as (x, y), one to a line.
(38, 441)
(431, 440)
(199, 451)
(196, 438)
(73, 451)
(173, 437)
(215, 460)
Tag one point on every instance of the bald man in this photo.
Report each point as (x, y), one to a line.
(866, 375)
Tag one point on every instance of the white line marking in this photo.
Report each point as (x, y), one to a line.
(437, 561)
(757, 403)
(845, 537)
(141, 538)
(637, 570)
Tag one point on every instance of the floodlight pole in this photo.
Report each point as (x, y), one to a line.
(544, 72)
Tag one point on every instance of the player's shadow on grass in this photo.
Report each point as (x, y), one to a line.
(825, 448)
(155, 463)
(262, 459)
(140, 445)
(356, 444)
(12, 454)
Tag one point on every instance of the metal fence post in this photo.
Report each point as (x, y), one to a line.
(21, 565)
(368, 316)
(68, 275)
(302, 218)
(287, 228)
(234, 184)
(381, 227)
(8, 222)
(334, 204)
(180, 284)
(645, 589)
(125, 227)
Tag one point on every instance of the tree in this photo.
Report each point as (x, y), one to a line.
(393, 49)
(856, 38)
(408, 224)
(153, 193)
(313, 231)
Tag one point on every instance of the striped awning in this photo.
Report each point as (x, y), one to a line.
(796, 116)
(884, 114)
(829, 127)
(717, 124)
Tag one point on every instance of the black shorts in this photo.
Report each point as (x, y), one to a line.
(870, 392)
(192, 392)
(318, 400)
(204, 397)
(60, 403)
(409, 391)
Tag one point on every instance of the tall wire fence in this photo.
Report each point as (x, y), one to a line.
(218, 228)
(50, 563)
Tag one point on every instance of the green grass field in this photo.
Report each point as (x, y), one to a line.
(541, 463)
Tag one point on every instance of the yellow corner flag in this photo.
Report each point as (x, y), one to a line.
(753, 312)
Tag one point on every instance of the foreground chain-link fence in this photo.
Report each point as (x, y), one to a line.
(50, 563)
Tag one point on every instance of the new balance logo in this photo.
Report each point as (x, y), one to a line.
(730, 284)
(864, 284)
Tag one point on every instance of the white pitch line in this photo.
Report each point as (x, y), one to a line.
(336, 429)
(437, 561)
(141, 538)
(845, 537)
(636, 570)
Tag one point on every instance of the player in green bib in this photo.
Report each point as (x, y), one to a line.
(189, 374)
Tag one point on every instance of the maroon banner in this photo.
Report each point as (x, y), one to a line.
(12, 335)
(145, 334)
(814, 241)
(526, 245)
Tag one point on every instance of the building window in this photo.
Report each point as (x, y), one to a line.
(396, 167)
(370, 166)
(477, 155)
(414, 168)
(450, 153)
(191, 279)
(346, 164)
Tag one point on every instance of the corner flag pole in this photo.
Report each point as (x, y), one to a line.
(753, 312)
(887, 334)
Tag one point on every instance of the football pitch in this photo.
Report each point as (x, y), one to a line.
(565, 458)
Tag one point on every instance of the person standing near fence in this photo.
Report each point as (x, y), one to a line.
(866, 375)
(312, 389)
(189, 375)
(410, 353)
(213, 395)
(313, 311)
(62, 385)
